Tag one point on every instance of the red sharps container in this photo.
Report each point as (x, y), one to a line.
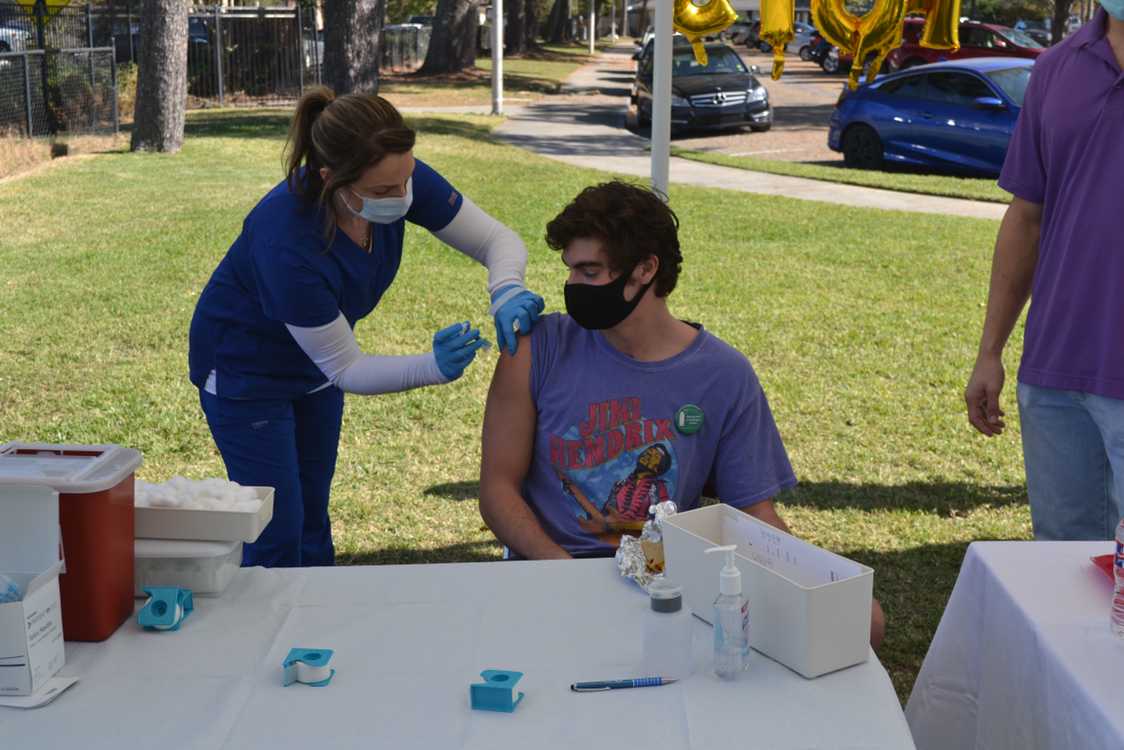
(95, 486)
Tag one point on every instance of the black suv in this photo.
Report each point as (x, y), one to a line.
(724, 93)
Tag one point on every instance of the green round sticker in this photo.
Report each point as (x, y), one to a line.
(689, 419)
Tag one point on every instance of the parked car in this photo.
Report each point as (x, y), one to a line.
(739, 32)
(976, 40)
(14, 38)
(955, 115)
(805, 33)
(721, 94)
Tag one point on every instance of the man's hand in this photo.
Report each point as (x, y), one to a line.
(982, 395)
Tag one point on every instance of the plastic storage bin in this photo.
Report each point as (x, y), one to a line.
(208, 525)
(204, 567)
(95, 486)
(809, 608)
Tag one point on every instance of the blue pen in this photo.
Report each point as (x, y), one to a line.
(597, 687)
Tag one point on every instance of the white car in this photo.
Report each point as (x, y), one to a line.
(15, 39)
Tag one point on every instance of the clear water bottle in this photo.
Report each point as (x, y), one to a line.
(1118, 594)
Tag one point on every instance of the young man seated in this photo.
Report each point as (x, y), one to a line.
(618, 404)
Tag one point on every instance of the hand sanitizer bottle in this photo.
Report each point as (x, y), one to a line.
(731, 620)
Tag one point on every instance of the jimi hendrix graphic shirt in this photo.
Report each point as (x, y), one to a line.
(616, 435)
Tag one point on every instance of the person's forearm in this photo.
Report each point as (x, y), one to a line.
(1012, 273)
(512, 521)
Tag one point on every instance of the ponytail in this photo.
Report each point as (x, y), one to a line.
(347, 134)
(299, 148)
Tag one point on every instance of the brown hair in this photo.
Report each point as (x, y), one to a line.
(348, 135)
(631, 223)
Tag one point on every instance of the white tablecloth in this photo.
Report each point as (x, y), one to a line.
(1023, 657)
(408, 641)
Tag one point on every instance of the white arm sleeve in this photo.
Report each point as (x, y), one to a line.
(336, 352)
(479, 236)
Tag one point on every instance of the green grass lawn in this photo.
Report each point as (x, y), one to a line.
(861, 324)
(982, 189)
(527, 77)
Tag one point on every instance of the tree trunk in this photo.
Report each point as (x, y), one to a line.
(1061, 19)
(161, 77)
(643, 19)
(453, 45)
(352, 31)
(515, 35)
(531, 25)
(558, 26)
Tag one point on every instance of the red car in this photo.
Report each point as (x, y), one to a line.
(976, 40)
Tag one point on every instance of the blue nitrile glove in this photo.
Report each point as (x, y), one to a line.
(455, 347)
(516, 311)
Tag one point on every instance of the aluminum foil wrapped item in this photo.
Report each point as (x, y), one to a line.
(632, 562)
(642, 559)
(653, 527)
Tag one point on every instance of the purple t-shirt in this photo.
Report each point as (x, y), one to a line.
(1067, 154)
(615, 435)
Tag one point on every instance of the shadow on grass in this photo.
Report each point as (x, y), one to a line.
(455, 491)
(482, 551)
(275, 124)
(944, 499)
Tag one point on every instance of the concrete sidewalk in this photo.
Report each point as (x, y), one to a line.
(585, 127)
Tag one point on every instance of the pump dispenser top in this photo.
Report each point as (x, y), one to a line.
(730, 579)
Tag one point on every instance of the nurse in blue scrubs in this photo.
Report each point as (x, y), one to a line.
(272, 347)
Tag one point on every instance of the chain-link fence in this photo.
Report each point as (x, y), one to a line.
(58, 91)
(403, 47)
(236, 55)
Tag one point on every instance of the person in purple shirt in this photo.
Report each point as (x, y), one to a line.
(619, 405)
(1061, 244)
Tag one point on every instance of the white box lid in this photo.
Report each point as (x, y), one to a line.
(29, 528)
(67, 468)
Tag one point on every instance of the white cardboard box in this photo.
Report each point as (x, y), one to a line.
(31, 645)
(809, 608)
(205, 525)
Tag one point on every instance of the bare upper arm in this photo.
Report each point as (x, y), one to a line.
(1024, 211)
(509, 420)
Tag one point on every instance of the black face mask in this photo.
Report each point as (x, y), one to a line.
(601, 306)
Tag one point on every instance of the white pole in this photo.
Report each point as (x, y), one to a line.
(592, 26)
(497, 56)
(661, 99)
(613, 20)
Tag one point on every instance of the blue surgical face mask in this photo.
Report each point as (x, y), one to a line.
(1114, 8)
(384, 210)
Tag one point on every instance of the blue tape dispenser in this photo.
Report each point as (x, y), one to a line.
(497, 692)
(308, 666)
(166, 609)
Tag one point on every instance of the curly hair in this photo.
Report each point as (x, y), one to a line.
(631, 223)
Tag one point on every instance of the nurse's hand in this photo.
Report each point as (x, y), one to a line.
(516, 311)
(455, 347)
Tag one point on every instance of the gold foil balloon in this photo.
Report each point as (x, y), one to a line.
(695, 20)
(942, 25)
(879, 32)
(834, 22)
(869, 37)
(777, 28)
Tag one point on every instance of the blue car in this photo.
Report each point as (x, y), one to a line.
(955, 116)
